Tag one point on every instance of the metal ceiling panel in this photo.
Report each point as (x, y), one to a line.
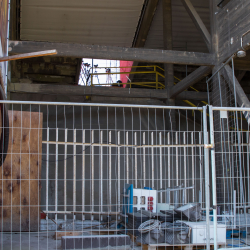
(185, 34)
(101, 22)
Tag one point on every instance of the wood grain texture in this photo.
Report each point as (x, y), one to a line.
(197, 22)
(69, 90)
(241, 97)
(114, 53)
(190, 80)
(232, 22)
(21, 171)
(28, 55)
(145, 24)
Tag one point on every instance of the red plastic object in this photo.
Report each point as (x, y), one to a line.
(150, 203)
(150, 198)
(150, 208)
(43, 216)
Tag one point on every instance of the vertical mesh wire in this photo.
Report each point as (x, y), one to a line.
(231, 136)
(68, 165)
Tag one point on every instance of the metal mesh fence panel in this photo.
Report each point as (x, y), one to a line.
(78, 173)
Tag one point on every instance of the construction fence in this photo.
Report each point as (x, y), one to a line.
(80, 171)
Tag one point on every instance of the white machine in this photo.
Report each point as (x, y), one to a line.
(198, 232)
(145, 199)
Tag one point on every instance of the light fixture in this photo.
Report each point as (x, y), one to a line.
(242, 52)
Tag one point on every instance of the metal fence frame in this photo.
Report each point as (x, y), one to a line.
(207, 143)
(239, 133)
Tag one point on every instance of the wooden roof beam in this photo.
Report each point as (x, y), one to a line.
(198, 22)
(241, 97)
(143, 29)
(114, 53)
(145, 24)
(190, 80)
(77, 90)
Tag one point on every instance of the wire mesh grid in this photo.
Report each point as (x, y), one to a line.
(231, 135)
(97, 172)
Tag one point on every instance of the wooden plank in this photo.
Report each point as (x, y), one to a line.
(241, 97)
(115, 53)
(59, 234)
(48, 68)
(21, 171)
(28, 55)
(190, 80)
(44, 78)
(197, 22)
(145, 24)
(232, 22)
(70, 90)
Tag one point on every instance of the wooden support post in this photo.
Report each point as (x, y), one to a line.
(169, 68)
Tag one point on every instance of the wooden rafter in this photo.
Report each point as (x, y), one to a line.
(145, 24)
(198, 22)
(234, 85)
(190, 80)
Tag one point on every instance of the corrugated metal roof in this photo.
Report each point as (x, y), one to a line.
(185, 34)
(102, 22)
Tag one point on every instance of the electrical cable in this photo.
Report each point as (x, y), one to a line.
(149, 225)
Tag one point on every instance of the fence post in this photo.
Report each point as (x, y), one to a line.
(211, 121)
(206, 163)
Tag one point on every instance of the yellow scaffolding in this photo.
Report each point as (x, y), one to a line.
(156, 84)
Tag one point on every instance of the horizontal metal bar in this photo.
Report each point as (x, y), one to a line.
(235, 248)
(123, 145)
(175, 189)
(248, 206)
(101, 105)
(229, 59)
(83, 212)
(223, 215)
(128, 67)
(230, 109)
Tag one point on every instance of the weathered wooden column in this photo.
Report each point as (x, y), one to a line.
(169, 68)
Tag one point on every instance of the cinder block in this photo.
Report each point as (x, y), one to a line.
(94, 241)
